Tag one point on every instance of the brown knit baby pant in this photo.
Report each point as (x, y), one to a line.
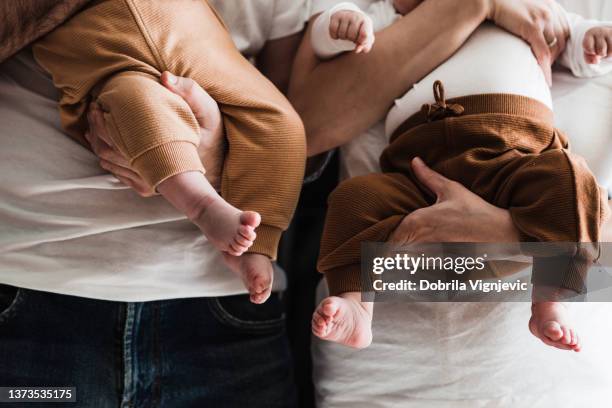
(114, 51)
(502, 147)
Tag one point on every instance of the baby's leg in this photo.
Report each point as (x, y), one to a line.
(363, 209)
(555, 198)
(265, 160)
(157, 132)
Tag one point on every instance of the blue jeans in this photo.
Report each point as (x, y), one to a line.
(201, 352)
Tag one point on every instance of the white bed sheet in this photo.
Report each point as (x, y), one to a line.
(474, 355)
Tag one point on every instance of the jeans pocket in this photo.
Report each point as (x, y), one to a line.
(239, 313)
(10, 298)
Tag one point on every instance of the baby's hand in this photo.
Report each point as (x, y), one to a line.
(597, 44)
(352, 26)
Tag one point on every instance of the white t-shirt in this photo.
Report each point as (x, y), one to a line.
(68, 227)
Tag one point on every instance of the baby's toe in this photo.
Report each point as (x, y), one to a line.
(250, 218)
(578, 345)
(259, 298)
(247, 232)
(330, 307)
(242, 242)
(318, 323)
(260, 287)
(233, 252)
(567, 335)
(236, 250)
(575, 343)
(260, 282)
(553, 331)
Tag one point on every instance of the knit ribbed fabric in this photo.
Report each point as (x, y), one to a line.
(502, 147)
(117, 49)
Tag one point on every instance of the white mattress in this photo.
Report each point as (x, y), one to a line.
(474, 355)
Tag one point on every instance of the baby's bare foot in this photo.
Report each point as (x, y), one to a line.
(550, 323)
(345, 320)
(226, 227)
(256, 272)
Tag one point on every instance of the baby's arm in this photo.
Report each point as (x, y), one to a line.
(589, 47)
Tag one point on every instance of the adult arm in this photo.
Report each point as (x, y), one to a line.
(340, 98)
(24, 21)
(275, 60)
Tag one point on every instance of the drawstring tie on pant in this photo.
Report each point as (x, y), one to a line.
(440, 109)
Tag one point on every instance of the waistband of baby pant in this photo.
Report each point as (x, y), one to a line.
(506, 104)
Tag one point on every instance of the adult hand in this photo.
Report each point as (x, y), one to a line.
(457, 216)
(539, 22)
(206, 112)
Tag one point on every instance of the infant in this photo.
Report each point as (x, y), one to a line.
(114, 52)
(490, 128)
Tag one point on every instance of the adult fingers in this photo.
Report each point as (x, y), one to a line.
(97, 124)
(536, 37)
(433, 180)
(141, 189)
(104, 151)
(120, 171)
(128, 177)
(539, 31)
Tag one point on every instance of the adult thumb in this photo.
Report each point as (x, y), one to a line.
(437, 183)
(189, 90)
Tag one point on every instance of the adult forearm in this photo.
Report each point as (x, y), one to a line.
(23, 21)
(340, 98)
